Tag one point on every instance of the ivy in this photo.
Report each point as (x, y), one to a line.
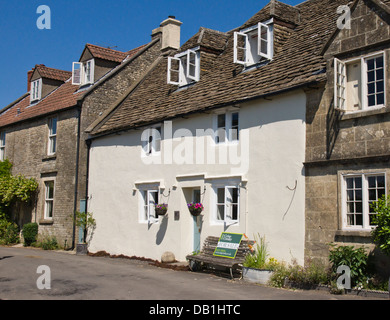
(14, 188)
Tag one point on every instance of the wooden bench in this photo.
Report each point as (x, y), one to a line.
(206, 258)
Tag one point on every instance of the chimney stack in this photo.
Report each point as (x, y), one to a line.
(170, 29)
(29, 75)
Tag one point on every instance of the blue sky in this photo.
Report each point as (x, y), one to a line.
(119, 24)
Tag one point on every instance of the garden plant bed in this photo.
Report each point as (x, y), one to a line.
(321, 287)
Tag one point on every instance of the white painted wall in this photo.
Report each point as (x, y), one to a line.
(274, 133)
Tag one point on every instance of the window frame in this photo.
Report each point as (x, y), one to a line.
(362, 60)
(81, 67)
(145, 214)
(365, 226)
(49, 200)
(183, 72)
(228, 128)
(227, 220)
(3, 136)
(52, 136)
(36, 90)
(250, 59)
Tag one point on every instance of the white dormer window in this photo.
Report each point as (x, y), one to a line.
(36, 90)
(184, 67)
(83, 72)
(254, 45)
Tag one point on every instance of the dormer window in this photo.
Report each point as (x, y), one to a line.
(254, 45)
(184, 67)
(83, 72)
(36, 90)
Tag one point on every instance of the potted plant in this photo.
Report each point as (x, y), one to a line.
(257, 267)
(87, 225)
(195, 208)
(161, 209)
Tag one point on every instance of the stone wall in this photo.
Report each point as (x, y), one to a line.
(339, 142)
(26, 148)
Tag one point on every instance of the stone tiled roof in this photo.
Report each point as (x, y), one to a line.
(297, 61)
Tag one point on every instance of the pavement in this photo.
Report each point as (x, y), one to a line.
(36, 274)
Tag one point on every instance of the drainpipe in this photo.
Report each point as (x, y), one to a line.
(88, 142)
(76, 177)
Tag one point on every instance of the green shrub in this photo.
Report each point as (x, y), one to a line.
(355, 258)
(30, 233)
(381, 234)
(313, 273)
(9, 232)
(48, 243)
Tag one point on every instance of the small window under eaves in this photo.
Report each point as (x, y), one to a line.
(254, 45)
(184, 67)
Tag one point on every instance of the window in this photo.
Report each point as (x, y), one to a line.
(149, 199)
(227, 204)
(184, 68)
(227, 127)
(36, 89)
(359, 192)
(151, 140)
(359, 83)
(253, 45)
(52, 136)
(83, 72)
(2, 146)
(49, 199)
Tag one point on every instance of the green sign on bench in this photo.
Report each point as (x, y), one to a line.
(228, 245)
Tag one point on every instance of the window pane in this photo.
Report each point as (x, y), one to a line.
(359, 220)
(371, 88)
(372, 195)
(358, 183)
(349, 183)
(49, 209)
(234, 212)
(53, 126)
(380, 98)
(221, 121)
(371, 64)
(379, 62)
(221, 212)
(372, 182)
(380, 86)
(49, 190)
(380, 181)
(350, 195)
(221, 195)
(371, 100)
(358, 207)
(379, 74)
(371, 76)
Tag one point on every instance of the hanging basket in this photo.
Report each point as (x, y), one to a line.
(195, 208)
(161, 209)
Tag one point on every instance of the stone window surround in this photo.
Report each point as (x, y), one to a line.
(340, 198)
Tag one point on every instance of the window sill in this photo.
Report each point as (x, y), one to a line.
(46, 221)
(365, 113)
(49, 157)
(353, 236)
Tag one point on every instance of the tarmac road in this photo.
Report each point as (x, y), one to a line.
(80, 277)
